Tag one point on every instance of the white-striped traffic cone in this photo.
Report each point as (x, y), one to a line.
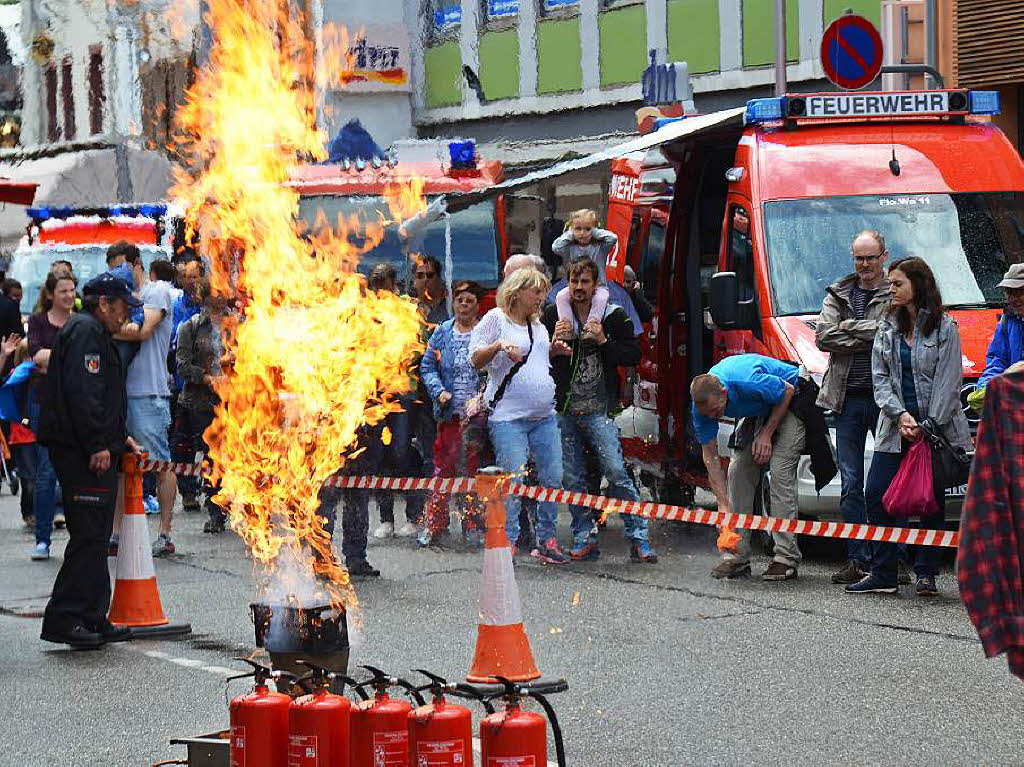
(502, 647)
(136, 600)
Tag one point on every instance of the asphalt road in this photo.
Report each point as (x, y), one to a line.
(666, 665)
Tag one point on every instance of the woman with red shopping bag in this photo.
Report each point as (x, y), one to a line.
(916, 372)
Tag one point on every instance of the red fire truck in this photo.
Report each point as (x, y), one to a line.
(354, 189)
(736, 227)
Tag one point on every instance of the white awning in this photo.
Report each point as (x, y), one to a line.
(520, 154)
(83, 178)
(688, 128)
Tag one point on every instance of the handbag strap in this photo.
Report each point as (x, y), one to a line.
(515, 369)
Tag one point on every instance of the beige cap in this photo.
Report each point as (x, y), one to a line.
(1014, 277)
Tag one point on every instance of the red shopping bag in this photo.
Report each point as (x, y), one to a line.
(911, 493)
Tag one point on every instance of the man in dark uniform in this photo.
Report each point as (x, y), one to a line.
(83, 426)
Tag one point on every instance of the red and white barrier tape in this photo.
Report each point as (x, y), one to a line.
(911, 536)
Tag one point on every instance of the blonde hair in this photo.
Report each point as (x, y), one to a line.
(508, 290)
(704, 387)
(583, 213)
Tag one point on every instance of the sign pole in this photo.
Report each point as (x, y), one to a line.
(780, 47)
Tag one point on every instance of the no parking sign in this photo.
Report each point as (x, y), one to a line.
(851, 52)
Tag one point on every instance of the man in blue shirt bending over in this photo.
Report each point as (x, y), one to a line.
(757, 390)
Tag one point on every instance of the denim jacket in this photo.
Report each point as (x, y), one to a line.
(437, 368)
(938, 375)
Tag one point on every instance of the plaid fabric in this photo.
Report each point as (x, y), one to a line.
(990, 561)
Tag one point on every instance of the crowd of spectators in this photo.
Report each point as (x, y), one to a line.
(531, 385)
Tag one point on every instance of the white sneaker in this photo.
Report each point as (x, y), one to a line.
(59, 520)
(408, 530)
(386, 530)
(40, 553)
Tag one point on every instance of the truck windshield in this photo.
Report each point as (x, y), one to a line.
(474, 237)
(968, 240)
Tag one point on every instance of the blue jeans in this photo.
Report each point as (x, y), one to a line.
(516, 441)
(596, 434)
(859, 416)
(45, 502)
(885, 555)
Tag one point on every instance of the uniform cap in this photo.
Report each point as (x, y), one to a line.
(108, 285)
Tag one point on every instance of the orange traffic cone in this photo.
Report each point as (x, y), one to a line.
(502, 647)
(136, 600)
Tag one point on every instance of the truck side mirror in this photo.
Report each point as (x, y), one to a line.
(725, 300)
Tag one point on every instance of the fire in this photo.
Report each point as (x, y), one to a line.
(316, 354)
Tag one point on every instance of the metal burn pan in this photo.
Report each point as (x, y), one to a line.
(213, 750)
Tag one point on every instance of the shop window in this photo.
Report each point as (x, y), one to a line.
(67, 96)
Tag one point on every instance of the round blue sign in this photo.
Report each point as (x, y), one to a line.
(851, 52)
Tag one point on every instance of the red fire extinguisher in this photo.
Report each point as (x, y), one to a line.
(379, 733)
(514, 736)
(441, 733)
(318, 723)
(259, 721)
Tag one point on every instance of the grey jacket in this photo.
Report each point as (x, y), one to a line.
(194, 359)
(841, 335)
(938, 374)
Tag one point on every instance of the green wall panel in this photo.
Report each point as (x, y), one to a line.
(869, 9)
(623, 35)
(443, 65)
(693, 34)
(558, 56)
(499, 64)
(759, 32)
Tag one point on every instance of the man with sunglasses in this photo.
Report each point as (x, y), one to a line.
(846, 329)
(430, 293)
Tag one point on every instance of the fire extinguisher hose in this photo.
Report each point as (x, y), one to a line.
(556, 730)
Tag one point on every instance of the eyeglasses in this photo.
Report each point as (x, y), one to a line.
(426, 275)
(868, 259)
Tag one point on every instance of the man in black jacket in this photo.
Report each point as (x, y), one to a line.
(586, 387)
(83, 426)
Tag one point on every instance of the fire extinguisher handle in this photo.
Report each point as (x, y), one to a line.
(413, 690)
(261, 672)
(469, 692)
(556, 730)
(436, 681)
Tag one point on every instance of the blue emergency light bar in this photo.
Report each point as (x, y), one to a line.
(661, 122)
(853, 105)
(462, 154)
(108, 211)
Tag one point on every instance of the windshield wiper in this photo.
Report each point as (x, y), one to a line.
(976, 305)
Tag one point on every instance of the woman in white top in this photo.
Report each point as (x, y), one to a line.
(522, 422)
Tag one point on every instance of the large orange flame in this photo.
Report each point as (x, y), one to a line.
(316, 354)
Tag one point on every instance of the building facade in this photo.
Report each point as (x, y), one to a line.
(550, 68)
(379, 89)
(100, 70)
(987, 52)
